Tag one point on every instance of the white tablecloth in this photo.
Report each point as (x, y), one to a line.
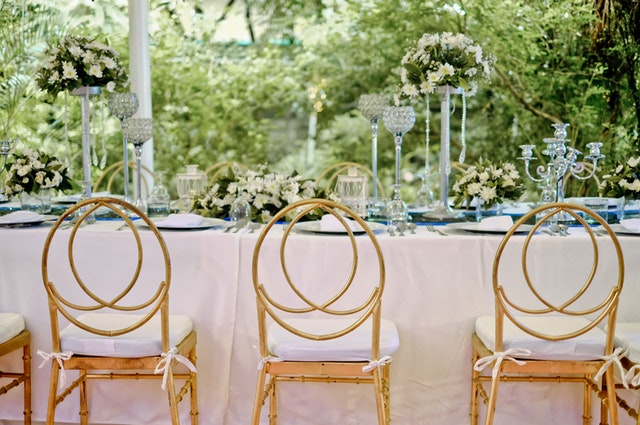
(436, 287)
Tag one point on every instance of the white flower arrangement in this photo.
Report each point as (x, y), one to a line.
(622, 180)
(266, 193)
(80, 61)
(32, 171)
(445, 59)
(490, 183)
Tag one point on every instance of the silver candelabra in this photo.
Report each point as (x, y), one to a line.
(562, 160)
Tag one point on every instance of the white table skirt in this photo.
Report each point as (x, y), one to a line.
(436, 287)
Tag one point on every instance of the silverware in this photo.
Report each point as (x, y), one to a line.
(240, 224)
(432, 228)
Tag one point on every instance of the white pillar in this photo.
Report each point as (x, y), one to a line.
(140, 67)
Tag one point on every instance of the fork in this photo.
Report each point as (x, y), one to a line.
(432, 228)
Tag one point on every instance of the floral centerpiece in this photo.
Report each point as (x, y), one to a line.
(488, 182)
(445, 59)
(80, 61)
(623, 180)
(31, 171)
(266, 193)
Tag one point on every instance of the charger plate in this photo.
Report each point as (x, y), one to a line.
(30, 222)
(206, 223)
(473, 227)
(315, 227)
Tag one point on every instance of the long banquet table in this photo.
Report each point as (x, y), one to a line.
(436, 287)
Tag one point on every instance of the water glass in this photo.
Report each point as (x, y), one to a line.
(397, 213)
(599, 205)
(240, 212)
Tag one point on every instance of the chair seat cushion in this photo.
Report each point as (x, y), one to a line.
(628, 337)
(355, 346)
(585, 347)
(11, 324)
(144, 341)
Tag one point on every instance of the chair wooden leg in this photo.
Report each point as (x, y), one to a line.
(611, 396)
(586, 404)
(173, 402)
(26, 365)
(259, 398)
(273, 401)
(53, 392)
(386, 392)
(475, 381)
(84, 410)
(493, 396)
(378, 387)
(193, 379)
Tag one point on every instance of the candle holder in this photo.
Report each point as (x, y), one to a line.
(138, 131)
(372, 106)
(5, 147)
(123, 106)
(562, 160)
(398, 120)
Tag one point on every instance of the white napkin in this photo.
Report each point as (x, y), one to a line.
(498, 222)
(21, 217)
(631, 223)
(330, 223)
(180, 220)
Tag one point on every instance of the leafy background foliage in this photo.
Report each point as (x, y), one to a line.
(572, 61)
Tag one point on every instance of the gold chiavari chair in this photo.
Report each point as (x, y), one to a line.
(328, 178)
(120, 330)
(546, 330)
(13, 337)
(216, 170)
(333, 333)
(113, 175)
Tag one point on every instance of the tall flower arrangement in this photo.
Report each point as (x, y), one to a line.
(31, 171)
(78, 61)
(266, 193)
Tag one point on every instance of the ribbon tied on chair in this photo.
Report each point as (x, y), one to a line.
(262, 361)
(499, 357)
(374, 364)
(614, 359)
(165, 363)
(59, 357)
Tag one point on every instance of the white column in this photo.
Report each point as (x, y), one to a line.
(140, 67)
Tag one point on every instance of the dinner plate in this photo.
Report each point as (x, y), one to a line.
(619, 229)
(30, 222)
(206, 223)
(314, 227)
(473, 227)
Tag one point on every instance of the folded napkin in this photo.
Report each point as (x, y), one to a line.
(21, 217)
(330, 223)
(180, 220)
(631, 223)
(498, 222)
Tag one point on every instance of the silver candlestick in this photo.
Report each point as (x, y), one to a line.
(123, 106)
(5, 147)
(371, 106)
(562, 160)
(138, 131)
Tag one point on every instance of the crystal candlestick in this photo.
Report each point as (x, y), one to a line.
(371, 106)
(123, 106)
(138, 131)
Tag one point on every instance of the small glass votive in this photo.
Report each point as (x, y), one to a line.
(376, 209)
(598, 205)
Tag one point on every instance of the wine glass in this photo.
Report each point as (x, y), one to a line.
(123, 106)
(240, 213)
(138, 131)
(371, 106)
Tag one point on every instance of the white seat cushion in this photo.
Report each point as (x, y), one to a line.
(145, 341)
(628, 337)
(355, 346)
(11, 324)
(585, 347)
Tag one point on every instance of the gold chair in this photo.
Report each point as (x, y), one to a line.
(319, 335)
(328, 178)
(118, 331)
(216, 170)
(113, 175)
(14, 336)
(545, 330)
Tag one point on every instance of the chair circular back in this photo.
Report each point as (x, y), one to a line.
(114, 172)
(216, 170)
(328, 178)
(354, 299)
(591, 265)
(129, 289)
